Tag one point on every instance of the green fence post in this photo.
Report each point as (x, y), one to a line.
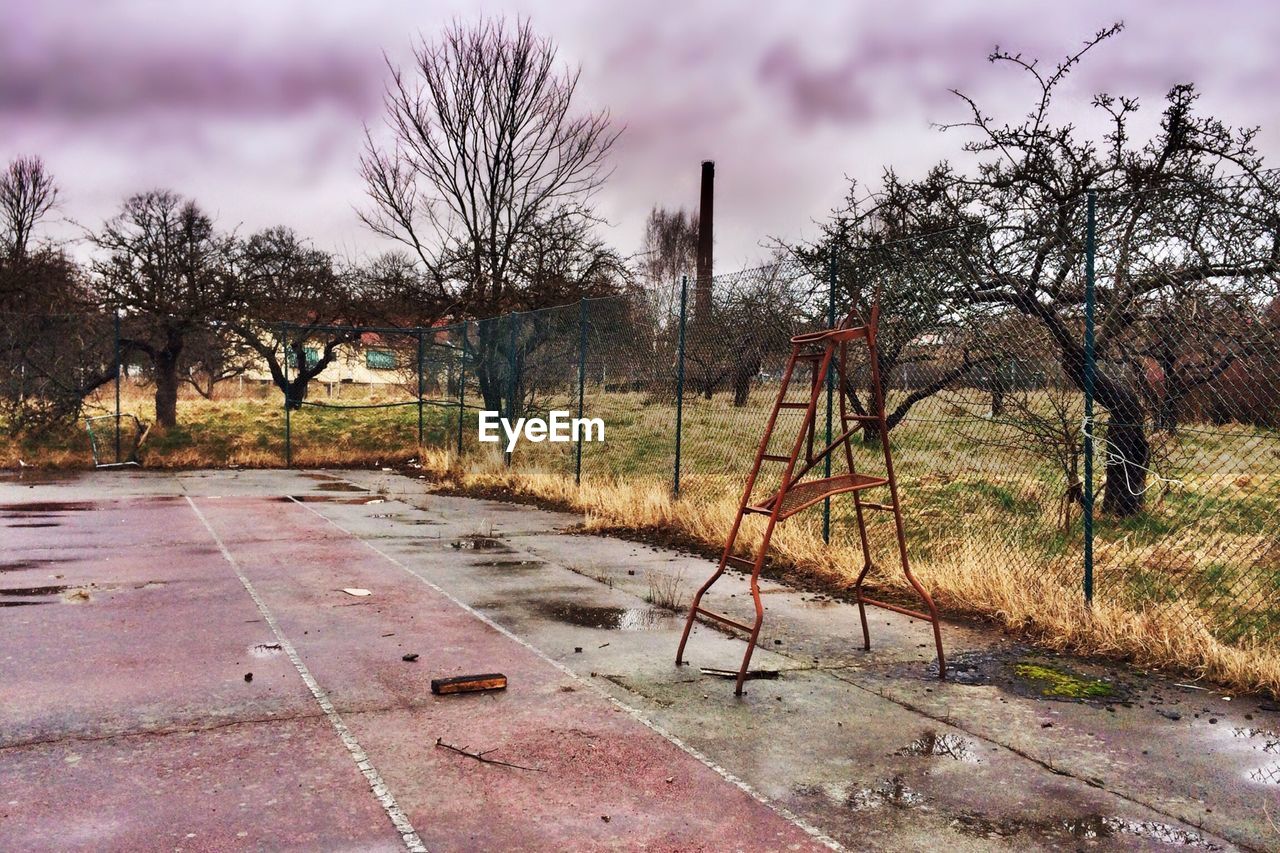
(826, 465)
(118, 369)
(462, 387)
(582, 384)
(420, 357)
(513, 388)
(684, 302)
(1090, 250)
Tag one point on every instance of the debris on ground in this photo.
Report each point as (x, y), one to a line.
(483, 756)
(410, 657)
(469, 683)
(248, 676)
(356, 591)
(733, 673)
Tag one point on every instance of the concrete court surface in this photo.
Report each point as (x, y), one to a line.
(134, 606)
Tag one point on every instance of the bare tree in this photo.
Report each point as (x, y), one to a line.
(1172, 232)
(298, 311)
(215, 355)
(27, 194)
(486, 150)
(168, 271)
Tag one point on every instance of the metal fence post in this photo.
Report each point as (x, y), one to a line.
(582, 384)
(118, 370)
(462, 387)
(420, 357)
(513, 385)
(831, 322)
(1090, 250)
(684, 304)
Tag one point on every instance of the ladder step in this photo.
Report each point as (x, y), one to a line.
(885, 507)
(785, 405)
(862, 418)
(773, 457)
(905, 611)
(802, 495)
(740, 562)
(733, 623)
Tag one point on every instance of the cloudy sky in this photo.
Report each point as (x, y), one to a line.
(256, 108)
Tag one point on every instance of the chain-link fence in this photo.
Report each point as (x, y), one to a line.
(1091, 409)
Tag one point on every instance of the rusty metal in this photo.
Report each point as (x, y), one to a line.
(825, 351)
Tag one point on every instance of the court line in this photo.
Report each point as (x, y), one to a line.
(376, 784)
(782, 811)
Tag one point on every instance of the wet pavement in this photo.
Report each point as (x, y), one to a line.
(128, 718)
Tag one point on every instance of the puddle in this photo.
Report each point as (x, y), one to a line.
(948, 745)
(1087, 828)
(315, 499)
(339, 486)
(608, 618)
(1264, 741)
(479, 543)
(891, 793)
(425, 521)
(48, 507)
(1259, 739)
(1269, 775)
(265, 650)
(21, 603)
(36, 524)
(26, 591)
(510, 564)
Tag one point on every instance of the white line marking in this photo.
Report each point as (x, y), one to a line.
(808, 828)
(380, 790)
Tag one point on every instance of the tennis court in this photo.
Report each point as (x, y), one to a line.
(189, 661)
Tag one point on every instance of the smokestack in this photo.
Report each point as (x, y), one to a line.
(706, 222)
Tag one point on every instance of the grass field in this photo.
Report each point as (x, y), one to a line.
(1193, 583)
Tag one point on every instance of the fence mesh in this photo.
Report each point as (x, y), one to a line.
(985, 358)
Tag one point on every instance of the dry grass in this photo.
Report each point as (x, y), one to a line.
(973, 575)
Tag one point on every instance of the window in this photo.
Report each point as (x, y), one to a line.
(309, 354)
(380, 359)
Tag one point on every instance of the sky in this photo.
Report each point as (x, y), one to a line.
(257, 109)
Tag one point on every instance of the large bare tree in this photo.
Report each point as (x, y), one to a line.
(487, 153)
(298, 311)
(1187, 216)
(168, 271)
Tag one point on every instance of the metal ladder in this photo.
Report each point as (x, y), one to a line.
(823, 350)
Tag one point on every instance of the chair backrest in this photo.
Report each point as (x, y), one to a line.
(855, 316)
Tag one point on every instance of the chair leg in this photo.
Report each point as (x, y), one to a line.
(755, 635)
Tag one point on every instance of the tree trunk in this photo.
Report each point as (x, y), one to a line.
(166, 363)
(1127, 450)
(296, 392)
(1169, 400)
(742, 376)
